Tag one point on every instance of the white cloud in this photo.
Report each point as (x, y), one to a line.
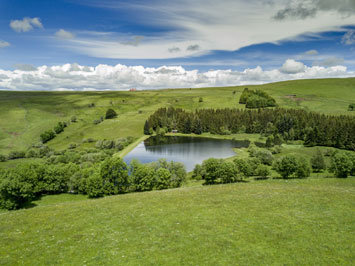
(4, 44)
(224, 25)
(26, 24)
(63, 34)
(121, 77)
(292, 67)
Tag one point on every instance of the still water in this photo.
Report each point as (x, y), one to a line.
(187, 150)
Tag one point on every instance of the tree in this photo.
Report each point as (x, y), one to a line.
(341, 164)
(262, 171)
(146, 128)
(110, 113)
(286, 166)
(211, 168)
(228, 172)
(265, 157)
(15, 190)
(162, 177)
(243, 167)
(114, 174)
(303, 169)
(94, 186)
(200, 100)
(317, 162)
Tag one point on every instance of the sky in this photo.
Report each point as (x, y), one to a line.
(150, 44)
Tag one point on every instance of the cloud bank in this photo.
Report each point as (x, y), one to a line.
(120, 77)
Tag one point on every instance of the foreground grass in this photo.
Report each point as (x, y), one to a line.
(294, 222)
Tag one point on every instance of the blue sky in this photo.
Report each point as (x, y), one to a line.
(209, 41)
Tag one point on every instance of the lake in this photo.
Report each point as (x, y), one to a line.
(187, 150)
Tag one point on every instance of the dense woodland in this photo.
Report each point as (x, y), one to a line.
(278, 124)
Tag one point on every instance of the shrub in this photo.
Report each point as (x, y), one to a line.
(290, 165)
(228, 172)
(47, 136)
(162, 177)
(262, 171)
(265, 157)
(200, 100)
(16, 155)
(2, 158)
(94, 186)
(15, 191)
(114, 174)
(59, 128)
(303, 169)
(73, 119)
(341, 164)
(243, 167)
(110, 113)
(286, 166)
(32, 153)
(211, 167)
(142, 177)
(317, 162)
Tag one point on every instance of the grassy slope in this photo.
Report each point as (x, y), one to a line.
(295, 222)
(24, 115)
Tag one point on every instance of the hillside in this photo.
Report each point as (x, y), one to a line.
(295, 222)
(25, 115)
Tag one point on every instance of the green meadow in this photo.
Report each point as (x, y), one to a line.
(256, 222)
(272, 222)
(25, 115)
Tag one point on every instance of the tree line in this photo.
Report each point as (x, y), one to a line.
(219, 171)
(20, 185)
(279, 124)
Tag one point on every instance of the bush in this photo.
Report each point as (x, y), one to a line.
(73, 119)
(317, 162)
(341, 164)
(142, 177)
(162, 177)
(94, 186)
(47, 136)
(262, 171)
(110, 113)
(2, 158)
(303, 168)
(265, 157)
(211, 167)
(15, 191)
(291, 166)
(216, 171)
(228, 173)
(243, 167)
(200, 100)
(16, 155)
(286, 166)
(114, 174)
(59, 128)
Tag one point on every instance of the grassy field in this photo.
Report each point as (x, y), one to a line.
(272, 222)
(25, 115)
(265, 222)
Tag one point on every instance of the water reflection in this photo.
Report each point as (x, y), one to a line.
(187, 150)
